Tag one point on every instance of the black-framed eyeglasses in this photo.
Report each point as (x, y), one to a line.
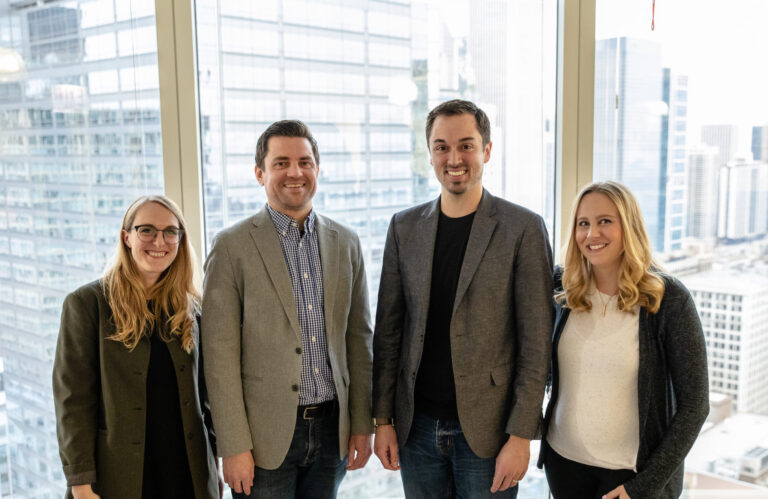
(148, 233)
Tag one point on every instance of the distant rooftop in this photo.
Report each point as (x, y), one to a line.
(757, 452)
(745, 281)
(730, 439)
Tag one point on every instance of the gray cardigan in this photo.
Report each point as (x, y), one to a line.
(673, 390)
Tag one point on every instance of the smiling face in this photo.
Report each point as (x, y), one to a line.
(599, 233)
(457, 153)
(289, 175)
(152, 258)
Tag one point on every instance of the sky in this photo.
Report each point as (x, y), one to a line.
(721, 45)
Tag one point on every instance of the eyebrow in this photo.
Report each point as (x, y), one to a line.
(598, 216)
(284, 158)
(465, 139)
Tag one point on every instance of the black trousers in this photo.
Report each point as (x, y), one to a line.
(571, 480)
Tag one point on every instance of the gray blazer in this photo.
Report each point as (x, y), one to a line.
(500, 327)
(252, 339)
(100, 395)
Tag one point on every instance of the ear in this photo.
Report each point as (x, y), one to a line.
(487, 152)
(259, 174)
(126, 238)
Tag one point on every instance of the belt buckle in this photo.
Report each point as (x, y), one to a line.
(309, 408)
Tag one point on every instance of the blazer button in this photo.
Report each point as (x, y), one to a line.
(295, 388)
(298, 350)
(189, 435)
(181, 368)
(186, 403)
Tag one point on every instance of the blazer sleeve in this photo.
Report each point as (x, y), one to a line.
(359, 340)
(686, 358)
(533, 314)
(390, 318)
(221, 340)
(76, 389)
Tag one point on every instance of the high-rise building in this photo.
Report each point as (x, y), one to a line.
(743, 200)
(627, 123)
(674, 128)
(725, 138)
(760, 143)
(733, 307)
(702, 183)
(80, 139)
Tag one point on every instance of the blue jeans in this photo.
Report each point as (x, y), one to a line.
(311, 469)
(437, 463)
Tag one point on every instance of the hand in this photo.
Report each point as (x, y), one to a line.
(361, 444)
(238, 472)
(617, 493)
(511, 463)
(385, 446)
(84, 492)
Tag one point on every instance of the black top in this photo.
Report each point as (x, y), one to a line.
(673, 389)
(435, 387)
(166, 467)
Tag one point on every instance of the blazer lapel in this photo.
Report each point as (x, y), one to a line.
(267, 243)
(482, 229)
(328, 239)
(421, 251)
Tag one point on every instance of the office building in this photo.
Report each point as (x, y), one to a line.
(628, 122)
(760, 143)
(725, 138)
(733, 307)
(674, 128)
(743, 200)
(702, 191)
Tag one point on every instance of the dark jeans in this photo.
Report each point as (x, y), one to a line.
(311, 468)
(571, 480)
(438, 463)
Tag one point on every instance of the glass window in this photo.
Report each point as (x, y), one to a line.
(673, 123)
(363, 76)
(81, 140)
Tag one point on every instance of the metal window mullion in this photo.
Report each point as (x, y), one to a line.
(575, 107)
(177, 65)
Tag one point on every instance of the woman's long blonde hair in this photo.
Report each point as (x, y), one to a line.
(174, 297)
(640, 281)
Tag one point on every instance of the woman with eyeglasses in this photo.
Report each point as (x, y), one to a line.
(629, 367)
(131, 408)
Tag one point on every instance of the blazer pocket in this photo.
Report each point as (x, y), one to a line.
(500, 375)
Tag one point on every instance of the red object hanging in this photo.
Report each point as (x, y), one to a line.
(653, 16)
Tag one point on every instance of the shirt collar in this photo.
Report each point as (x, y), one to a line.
(284, 223)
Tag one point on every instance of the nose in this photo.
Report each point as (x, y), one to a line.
(159, 239)
(454, 157)
(294, 170)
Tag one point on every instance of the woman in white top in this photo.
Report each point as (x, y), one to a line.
(629, 369)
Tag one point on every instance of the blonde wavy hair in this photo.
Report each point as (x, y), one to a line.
(640, 277)
(175, 296)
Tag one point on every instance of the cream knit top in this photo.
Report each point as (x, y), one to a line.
(596, 418)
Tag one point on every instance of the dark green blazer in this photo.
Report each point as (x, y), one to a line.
(99, 389)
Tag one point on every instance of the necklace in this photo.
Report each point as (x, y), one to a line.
(604, 303)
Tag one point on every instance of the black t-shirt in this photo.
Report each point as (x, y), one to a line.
(166, 467)
(435, 387)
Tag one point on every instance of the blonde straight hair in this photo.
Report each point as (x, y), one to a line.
(175, 296)
(640, 277)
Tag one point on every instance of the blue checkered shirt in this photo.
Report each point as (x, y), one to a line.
(302, 255)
